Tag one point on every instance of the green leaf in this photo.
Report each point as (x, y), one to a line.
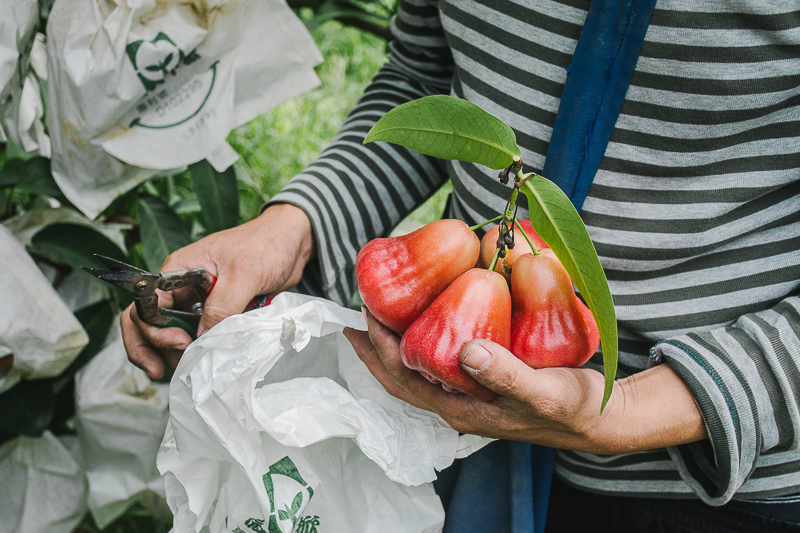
(555, 220)
(448, 128)
(37, 178)
(27, 408)
(218, 194)
(75, 245)
(161, 229)
(9, 178)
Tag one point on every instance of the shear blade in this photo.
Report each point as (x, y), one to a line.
(125, 280)
(119, 266)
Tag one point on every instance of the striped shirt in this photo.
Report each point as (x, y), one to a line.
(694, 211)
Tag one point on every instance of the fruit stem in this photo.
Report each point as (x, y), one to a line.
(511, 206)
(494, 259)
(533, 248)
(482, 224)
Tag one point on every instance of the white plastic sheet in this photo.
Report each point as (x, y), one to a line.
(35, 324)
(141, 88)
(275, 422)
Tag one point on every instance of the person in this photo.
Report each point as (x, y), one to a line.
(694, 212)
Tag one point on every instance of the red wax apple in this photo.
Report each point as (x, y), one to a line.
(399, 277)
(521, 247)
(550, 325)
(476, 305)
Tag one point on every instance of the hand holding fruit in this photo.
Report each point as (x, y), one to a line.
(556, 407)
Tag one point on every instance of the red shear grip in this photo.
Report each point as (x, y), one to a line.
(213, 282)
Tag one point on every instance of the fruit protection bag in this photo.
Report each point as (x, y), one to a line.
(22, 66)
(39, 335)
(139, 88)
(44, 488)
(277, 426)
(120, 417)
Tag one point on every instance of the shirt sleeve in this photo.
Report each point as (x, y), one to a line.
(745, 379)
(354, 192)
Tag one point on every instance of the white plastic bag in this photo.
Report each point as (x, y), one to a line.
(35, 324)
(22, 60)
(275, 423)
(120, 418)
(43, 488)
(141, 87)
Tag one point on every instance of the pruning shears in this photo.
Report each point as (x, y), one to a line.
(143, 285)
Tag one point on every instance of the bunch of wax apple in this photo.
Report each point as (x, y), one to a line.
(426, 287)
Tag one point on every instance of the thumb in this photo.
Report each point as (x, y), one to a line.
(228, 297)
(497, 369)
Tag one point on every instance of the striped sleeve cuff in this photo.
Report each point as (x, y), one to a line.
(745, 379)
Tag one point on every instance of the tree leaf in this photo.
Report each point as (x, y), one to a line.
(75, 245)
(218, 195)
(9, 177)
(27, 408)
(555, 220)
(37, 178)
(161, 229)
(448, 128)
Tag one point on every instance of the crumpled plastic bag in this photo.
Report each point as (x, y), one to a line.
(43, 487)
(22, 113)
(275, 423)
(120, 418)
(17, 30)
(36, 326)
(139, 88)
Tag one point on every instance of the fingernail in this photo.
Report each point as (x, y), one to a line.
(477, 358)
(364, 313)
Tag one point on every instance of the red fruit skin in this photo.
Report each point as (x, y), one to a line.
(521, 247)
(550, 325)
(476, 306)
(399, 277)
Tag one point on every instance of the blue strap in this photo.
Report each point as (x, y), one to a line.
(502, 488)
(597, 81)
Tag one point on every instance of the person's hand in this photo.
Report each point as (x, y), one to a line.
(558, 407)
(264, 256)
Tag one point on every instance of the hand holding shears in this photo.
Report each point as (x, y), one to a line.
(264, 256)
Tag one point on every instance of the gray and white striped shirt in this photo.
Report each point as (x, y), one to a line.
(694, 212)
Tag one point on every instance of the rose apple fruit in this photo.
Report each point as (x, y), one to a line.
(477, 305)
(399, 277)
(550, 325)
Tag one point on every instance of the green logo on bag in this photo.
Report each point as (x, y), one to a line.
(154, 60)
(288, 495)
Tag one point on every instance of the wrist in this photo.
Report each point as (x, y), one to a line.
(650, 410)
(288, 231)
